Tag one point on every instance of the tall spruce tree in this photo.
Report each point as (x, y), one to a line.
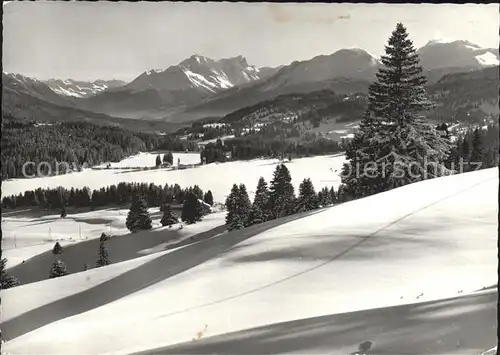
(259, 210)
(191, 209)
(138, 217)
(395, 145)
(6, 280)
(103, 257)
(281, 193)
(168, 218)
(308, 199)
(58, 269)
(158, 160)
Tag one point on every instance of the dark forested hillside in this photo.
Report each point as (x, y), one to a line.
(466, 97)
(324, 104)
(75, 143)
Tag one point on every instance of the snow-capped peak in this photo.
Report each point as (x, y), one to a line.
(488, 59)
(70, 87)
(153, 71)
(439, 40)
(456, 53)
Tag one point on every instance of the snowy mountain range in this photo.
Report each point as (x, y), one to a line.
(198, 72)
(82, 89)
(438, 54)
(200, 87)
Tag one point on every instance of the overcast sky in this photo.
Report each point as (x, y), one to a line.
(87, 41)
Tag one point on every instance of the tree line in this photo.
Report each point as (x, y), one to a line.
(251, 147)
(276, 200)
(476, 146)
(60, 198)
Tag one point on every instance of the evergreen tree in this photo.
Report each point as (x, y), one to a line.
(477, 154)
(281, 193)
(170, 158)
(490, 159)
(191, 209)
(333, 195)
(465, 149)
(244, 204)
(6, 280)
(103, 259)
(158, 160)
(58, 269)
(104, 237)
(165, 158)
(168, 217)
(394, 145)
(307, 200)
(258, 212)
(57, 250)
(198, 192)
(138, 217)
(208, 198)
(63, 211)
(85, 267)
(232, 208)
(322, 199)
(238, 207)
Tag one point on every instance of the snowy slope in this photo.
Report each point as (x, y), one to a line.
(33, 295)
(424, 241)
(25, 298)
(320, 169)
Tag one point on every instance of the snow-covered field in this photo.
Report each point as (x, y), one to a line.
(429, 240)
(148, 160)
(27, 297)
(219, 178)
(24, 238)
